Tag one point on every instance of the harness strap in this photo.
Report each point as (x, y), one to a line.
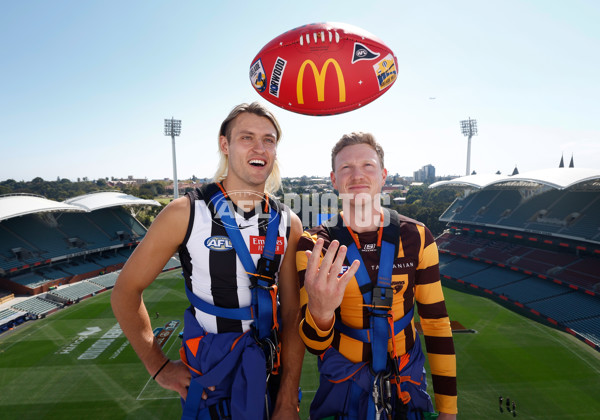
(262, 277)
(364, 334)
(380, 301)
(241, 314)
(379, 298)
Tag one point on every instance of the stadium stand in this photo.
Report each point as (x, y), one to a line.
(15, 313)
(7, 313)
(172, 264)
(532, 241)
(37, 306)
(44, 243)
(9, 318)
(106, 281)
(76, 292)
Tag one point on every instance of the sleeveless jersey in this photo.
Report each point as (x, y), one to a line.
(210, 265)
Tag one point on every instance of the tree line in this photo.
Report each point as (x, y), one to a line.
(422, 203)
(62, 189)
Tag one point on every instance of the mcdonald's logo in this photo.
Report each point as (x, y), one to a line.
(320, 80)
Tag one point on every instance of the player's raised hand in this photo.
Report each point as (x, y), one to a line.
(324, 286)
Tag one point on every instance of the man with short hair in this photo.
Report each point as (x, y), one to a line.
(237, 246)
(360, 275)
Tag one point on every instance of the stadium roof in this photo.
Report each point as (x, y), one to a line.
(22, 204)
(101, 200)
(558, 178)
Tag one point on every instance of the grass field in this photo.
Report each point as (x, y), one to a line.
(549, 374)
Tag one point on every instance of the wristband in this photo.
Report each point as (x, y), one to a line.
(161, 368)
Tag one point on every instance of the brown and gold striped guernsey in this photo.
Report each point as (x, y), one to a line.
(415, 278)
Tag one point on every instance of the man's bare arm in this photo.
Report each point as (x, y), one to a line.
(145, 264)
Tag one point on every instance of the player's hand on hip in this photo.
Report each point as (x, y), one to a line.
(176, 377)
(323, 283)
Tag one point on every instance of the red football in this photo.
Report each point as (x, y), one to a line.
(323, 69)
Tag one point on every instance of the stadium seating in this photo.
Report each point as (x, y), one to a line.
(459, 267)
(531, 289)
(583, 271)
(172, 264)
(39, 238)
(41, 247)
(76, 291)
(589, 328)
(548, 212)
(568, 307)
(540, 252)
(7, 313)
(37, 306)
(503, 203)
(31, 280)
(493, 277)
(106, 281)
(70, 224)
(80, 266)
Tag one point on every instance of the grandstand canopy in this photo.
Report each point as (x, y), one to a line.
(104, 199)
(22, 204)
(558, 178)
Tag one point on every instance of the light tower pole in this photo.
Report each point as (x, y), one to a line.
(469, 129)
(173, 129)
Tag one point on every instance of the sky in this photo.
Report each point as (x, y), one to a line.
(86, 85)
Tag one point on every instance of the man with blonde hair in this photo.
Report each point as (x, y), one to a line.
(361, 273)
(240, 359)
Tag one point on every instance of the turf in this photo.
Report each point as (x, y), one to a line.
(549, 374)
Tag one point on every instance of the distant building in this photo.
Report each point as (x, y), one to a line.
(425, 174)
(183, 186)
(130, 180)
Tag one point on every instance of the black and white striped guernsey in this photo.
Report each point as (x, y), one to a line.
(211, 268)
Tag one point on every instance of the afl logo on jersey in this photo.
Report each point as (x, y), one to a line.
(218, 243)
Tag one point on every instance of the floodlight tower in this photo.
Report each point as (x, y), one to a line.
(173, 129)
(469, 129)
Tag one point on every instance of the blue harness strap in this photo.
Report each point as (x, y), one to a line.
(380, 303)
(365, 335)
(261, 276)
(378, 298)
(239, 373)
(241, 314)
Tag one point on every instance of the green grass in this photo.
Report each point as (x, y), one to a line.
(550, 374)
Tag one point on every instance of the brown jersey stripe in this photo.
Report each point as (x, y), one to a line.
(433, 310)
(309, 333)
(439, 345)
(428, 275)
(445, 385)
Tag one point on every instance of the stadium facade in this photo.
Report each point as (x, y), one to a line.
(532, 242)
